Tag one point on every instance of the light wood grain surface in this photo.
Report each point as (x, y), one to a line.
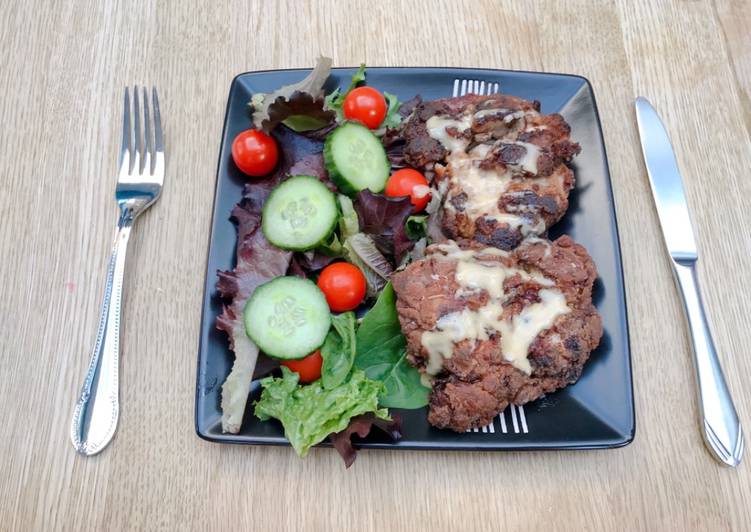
(62, 69)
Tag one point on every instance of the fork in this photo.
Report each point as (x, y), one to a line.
(139, 184)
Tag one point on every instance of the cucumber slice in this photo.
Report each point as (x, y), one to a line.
(355, 159)
(300, 214)
(287, 317)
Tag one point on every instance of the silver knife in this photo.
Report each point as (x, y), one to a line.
(720, 424)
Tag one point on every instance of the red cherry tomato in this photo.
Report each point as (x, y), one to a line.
(366, 105)
(255, 152)
(409, 182)
(343, 284)
(309, 368)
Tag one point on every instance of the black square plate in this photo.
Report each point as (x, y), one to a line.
(596, 412)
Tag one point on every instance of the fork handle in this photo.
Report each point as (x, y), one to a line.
(98, 407)
(720, 424)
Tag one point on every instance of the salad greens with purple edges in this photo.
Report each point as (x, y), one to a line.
(335, 213)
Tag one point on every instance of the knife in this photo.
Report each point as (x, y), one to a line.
(719, 421)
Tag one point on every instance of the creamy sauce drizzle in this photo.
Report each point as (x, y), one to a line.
(482, 276)
(479, 115)
(529, 161)
(517, 333)
(514, 116)
(537, 240)
(437, 126)
(420, 191)
(484, 187)
(452, 251)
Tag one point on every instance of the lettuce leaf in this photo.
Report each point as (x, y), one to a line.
(348, 223)
(363, 253)
(257, 261)
(393, 117)
(338, 351)
(299, 105)
(382, 355)
(383, 218)
(335, 100)
(362, 425)
(310, 413)
(416, 226)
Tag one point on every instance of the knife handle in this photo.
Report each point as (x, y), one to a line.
(98, 406)
(721, 426)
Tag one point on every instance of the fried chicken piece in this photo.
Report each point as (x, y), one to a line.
(495, 328)
(500, 165)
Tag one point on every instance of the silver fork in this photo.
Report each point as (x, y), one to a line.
(139, 183)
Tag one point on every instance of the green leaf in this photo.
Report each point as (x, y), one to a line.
(301, 123)
(382, 355)
(335, 100)
(338, 351)
(357, 78)
(403, 388)
(332, 247)
(393, 118)
(310, 413)
(361, 251)
(349, 224)
(416, 226)
(290, 102)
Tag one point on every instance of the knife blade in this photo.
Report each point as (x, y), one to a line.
(666, 182)
(720, 425)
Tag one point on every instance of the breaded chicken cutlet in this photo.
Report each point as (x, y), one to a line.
(500, 165)
(490, 327)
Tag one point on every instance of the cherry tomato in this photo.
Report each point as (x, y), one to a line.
(366, 105)
(255, 152)
(309, 368)
(343, 284)
(409, 182)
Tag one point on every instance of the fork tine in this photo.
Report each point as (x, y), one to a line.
(147, 157)
(137, 132)
(125, 148)
(158, 141)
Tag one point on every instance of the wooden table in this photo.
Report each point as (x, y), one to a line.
(63, 68)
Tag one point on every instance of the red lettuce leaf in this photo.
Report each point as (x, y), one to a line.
(313, 165)
(383, 219)
(257, 261)
(361, 426)
(302, 102)
(299, 104)
(264, 366)
(322, 133)
(393, 135)
(313, 261)
(303, 264)
(296, 269)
